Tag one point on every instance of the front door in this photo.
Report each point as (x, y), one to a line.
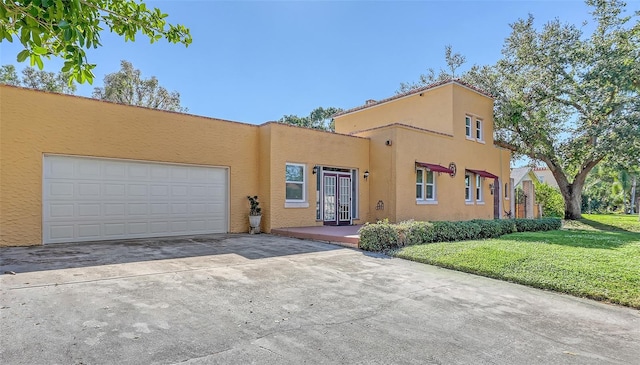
(337, 198)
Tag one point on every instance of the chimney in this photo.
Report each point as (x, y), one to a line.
(369, 102)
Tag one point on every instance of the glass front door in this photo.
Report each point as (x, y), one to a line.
(337, 198)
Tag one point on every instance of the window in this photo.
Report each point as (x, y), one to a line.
(425, 185)
(506, 190)
(295, 182)
(419, 184)
(479, 130)
(478, 188)
(467, 126)
(467, 187)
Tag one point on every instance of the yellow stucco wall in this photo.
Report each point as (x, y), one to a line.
(432, 110)
(393, 167)
(309, 147)
(35, 123)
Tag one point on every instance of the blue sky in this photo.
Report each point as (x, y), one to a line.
(256, 61)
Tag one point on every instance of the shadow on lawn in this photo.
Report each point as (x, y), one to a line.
(604, 227)
(601, 239)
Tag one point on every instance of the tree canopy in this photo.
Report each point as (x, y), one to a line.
(37, 79)
(63, 28)
(319, 118)
(127, 86)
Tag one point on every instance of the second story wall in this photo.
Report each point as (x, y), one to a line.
(430, 109)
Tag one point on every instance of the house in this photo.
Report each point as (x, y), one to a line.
(524, 204)
(79, 169)
(546, 176)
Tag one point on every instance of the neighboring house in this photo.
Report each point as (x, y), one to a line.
(525, 206)
(546, 176)
(79, 169)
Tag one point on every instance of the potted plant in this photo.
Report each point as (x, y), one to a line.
(255, 214)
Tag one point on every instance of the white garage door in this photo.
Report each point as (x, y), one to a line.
(91, 199)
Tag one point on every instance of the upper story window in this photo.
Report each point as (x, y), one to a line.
(295, 182)
(425, 185)
(474, 128)
(479, 135)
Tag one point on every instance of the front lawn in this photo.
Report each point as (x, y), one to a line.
(598, 258)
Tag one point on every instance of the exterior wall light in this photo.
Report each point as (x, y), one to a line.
(315, 170)
(366, 174)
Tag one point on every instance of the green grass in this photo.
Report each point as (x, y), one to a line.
(597, 258)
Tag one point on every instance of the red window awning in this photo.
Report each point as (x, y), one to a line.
(434, 167)
(483, 173)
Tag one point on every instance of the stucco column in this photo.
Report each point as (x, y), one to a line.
(527, 187)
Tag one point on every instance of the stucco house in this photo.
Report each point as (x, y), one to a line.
(525, 206)
(79, 169)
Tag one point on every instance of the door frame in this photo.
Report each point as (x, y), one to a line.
(338, 174)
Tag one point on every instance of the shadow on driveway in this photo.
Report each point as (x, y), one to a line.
(86, 254)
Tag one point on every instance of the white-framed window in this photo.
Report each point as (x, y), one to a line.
(295, 183)
(479, 136)
(425, 186)
(478, 188)
(467, 188)
(467, 127)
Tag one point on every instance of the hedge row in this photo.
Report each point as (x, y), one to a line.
(384, 235)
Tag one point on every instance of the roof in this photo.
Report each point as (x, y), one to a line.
(416, 91)
(518, 174)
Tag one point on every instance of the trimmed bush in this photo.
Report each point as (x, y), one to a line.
(379, 236)
(383, 235)
(420, 232)
(534, 225)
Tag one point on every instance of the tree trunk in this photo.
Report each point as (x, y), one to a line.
(573, 202)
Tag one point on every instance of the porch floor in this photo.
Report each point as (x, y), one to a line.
(342, 235)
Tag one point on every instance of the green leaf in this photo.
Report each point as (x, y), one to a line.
(22, 55)
(40, 50)
(63, 24)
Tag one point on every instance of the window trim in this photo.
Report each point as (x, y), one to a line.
(479, 130)
(468, 194)
(423, 188)
(478, 186)
(296, 203)
(468, 128)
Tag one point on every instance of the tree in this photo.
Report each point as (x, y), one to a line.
(319, 118)
(566, 99)
(127, 87)
(65, 29)
(37, 79)
(453, 60)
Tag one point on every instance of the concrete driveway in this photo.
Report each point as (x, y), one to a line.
(263, 299)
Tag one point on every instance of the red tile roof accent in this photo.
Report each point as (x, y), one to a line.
(415, 91)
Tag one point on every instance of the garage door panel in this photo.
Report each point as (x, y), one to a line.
(95, 199)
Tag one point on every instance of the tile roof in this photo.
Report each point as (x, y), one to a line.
(371, 103)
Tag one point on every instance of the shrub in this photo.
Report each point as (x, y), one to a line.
(378, 236)
(383, 235)
(489, 228)
(551, 200)
(420, 232)
(534, 225)
(455, 231)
